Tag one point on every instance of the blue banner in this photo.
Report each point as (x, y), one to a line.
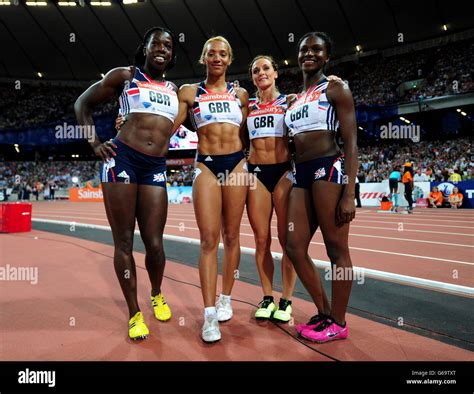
(61, 132)
(465, 187)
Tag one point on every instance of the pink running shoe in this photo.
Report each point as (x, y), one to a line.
(313, 323)
(326, 331)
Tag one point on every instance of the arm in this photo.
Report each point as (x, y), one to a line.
(96, 94)
(186, 94)
(341, 97)
(244, 100)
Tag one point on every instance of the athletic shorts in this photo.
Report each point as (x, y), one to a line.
(393, 184)
(270, 174)
(132, 166)
(329, 168)
(220, 165)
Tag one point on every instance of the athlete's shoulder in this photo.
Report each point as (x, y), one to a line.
(173, 86)
(242, 94)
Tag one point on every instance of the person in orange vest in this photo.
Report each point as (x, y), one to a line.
(435, 199)
(407, 180)
(455, 198)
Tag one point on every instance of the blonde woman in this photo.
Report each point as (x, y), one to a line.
(217, 109)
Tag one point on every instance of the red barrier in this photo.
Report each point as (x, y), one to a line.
(15, 217)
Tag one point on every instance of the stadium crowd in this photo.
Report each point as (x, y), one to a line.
(432, 160)
(374, 80)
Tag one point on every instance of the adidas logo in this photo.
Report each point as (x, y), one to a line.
(208, 158)
(257, 169)
(123, 174)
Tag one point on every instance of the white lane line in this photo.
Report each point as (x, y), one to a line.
(322, 244)
(408, 218)
(274, 227)
(416, 231)
(370, 273)
(352, 225)
(410, 240)
(414, 224)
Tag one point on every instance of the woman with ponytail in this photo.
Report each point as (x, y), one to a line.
(133, 172)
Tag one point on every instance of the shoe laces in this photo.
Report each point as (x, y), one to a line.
(284, 304)
(316, 319)
(265, 303)
(324, 324)
(158, 299)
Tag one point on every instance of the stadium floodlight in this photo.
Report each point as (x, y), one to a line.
(39, 74)
(101, 3)
(17, 148)
(358, 48)
(67, 3)
(286, 62)
(102, 75)
(463, 113)
(402, 118)
(5, 2)
(130, 1)
(36, 3)
(444, 27)
(459, 110)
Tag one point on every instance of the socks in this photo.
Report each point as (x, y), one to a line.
(225, 297)
(270, 298)
(210, 311)
(396, 199)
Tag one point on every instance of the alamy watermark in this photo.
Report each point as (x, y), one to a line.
(75, 132)
(344, 273)
(28, 274)
(406, 131)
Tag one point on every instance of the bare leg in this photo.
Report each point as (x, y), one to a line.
(152, 209)
(280, 201)
(301, 225)
(326, 196)
(207, 203)
(259, 210)
(120, 202)
(234, 195)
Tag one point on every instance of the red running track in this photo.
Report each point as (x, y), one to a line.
(76, 311)
(430, 244)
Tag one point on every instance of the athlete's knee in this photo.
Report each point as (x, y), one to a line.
(262, 241)
(338, 252)
(124, 245)
(294, 248)
(154, 247)
(209, 241)
(231, 238)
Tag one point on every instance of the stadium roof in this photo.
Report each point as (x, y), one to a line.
(38, 39)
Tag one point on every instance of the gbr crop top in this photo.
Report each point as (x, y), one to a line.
(312, 111)
(143, 95)
(267, 120)
(216, 107)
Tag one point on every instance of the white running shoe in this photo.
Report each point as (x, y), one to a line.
(224, 309)
(210, 330)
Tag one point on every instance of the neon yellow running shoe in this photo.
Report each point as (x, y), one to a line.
(266, 309)
(160, 307)
(284, 311)
(137, 328)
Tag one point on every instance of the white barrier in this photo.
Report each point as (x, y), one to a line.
(372, 193)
